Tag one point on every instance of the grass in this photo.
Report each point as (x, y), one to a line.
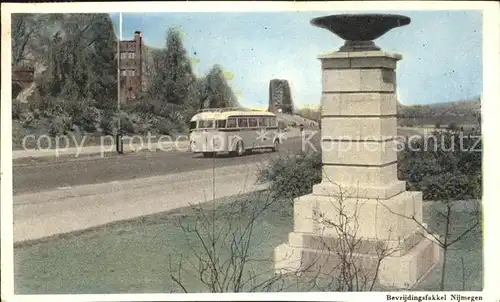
(135, 256)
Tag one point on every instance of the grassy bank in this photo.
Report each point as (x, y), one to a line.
(139, 256)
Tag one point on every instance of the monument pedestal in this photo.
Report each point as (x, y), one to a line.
(360, 210)
(367, 231)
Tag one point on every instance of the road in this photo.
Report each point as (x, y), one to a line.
(30, 178)
(42, 176)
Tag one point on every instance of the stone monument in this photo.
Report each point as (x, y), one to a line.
(359, 167)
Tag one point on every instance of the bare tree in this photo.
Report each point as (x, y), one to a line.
(447, 238)
(221, 260)
(353, 262)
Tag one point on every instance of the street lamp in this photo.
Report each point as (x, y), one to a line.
(119, 139)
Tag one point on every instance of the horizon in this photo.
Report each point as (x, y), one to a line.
(442, 51)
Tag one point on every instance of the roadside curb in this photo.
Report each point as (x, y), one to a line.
(96, 150)
(90, 206)
(182, 146)
(117, 223)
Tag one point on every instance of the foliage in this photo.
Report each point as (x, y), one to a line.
(445, 166)
(464, 112)
(453, 127)
(30, 36)
(75, 75)
(216, 91)
(292, 175)
(310, 113)
(172, 71)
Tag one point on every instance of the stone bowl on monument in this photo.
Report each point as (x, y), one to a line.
(360, 203)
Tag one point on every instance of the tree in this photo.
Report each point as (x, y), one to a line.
(172, 72)
(25, 29)
(102, 70)
(218, 92)
(196, 97)
(80, 77)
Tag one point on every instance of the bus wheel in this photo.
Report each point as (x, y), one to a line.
(240, 149)
(208, 154)
(276, 145)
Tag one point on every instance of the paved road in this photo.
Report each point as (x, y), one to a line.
(29, 178)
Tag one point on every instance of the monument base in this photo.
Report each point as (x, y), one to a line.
(401, 272)
(373, 237)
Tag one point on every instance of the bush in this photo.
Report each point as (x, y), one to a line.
(107, 123)
(27, 118)
(16, 110)
(293, 175)
(453, 127)
(449, 173)
(165, 126)
(449, 168)
(56, 127)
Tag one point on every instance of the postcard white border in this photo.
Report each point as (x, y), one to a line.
(490, 108)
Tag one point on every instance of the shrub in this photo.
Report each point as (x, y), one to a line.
(107, 123)
(449, 168)
(126, 124)
(56, 127)
(293, 175)
(453, 127)
(16, 110)
(165, 126)
(26, 118)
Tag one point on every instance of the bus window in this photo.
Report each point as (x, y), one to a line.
(192, 125)
(242, 122)
(206, 124)
(252, 122)
(262, 122)
(231, 122)
(221, 124)
(272, 122)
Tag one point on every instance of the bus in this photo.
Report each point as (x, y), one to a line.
(233, 130)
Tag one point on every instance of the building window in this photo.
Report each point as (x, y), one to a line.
(131, 73)
(124, 73)
(131, 55)
(123, 55)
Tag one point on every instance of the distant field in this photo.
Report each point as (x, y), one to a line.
(460, 113)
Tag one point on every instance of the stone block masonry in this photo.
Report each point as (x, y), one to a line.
(360, 194)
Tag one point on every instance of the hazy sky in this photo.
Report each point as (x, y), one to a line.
(442, 51)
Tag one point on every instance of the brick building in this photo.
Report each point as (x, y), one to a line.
(133, 68)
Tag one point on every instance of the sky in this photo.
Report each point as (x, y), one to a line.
(442, 51)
